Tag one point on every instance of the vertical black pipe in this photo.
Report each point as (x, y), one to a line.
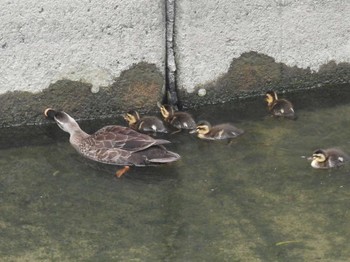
(170, 63)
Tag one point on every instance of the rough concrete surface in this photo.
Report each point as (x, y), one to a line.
(91, 41)
(304, 33)
(97, 59)
(252, 74)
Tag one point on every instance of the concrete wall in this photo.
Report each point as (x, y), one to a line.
(303, 33)
(98, 58)
(44, 41)
(91, 58)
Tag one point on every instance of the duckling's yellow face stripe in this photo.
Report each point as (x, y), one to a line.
(202, 129)
(319, 157)
(165, 113)
(269, 98)
(130, 118)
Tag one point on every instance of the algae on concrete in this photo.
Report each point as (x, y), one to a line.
(140, 87)
(254, 73)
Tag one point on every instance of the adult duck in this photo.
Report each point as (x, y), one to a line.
(115, 145)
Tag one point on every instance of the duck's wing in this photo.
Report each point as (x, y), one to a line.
(123, 138)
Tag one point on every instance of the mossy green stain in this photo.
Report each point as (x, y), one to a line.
(253, 73)
(139, 87)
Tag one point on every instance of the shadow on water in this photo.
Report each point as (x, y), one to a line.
(256, 199)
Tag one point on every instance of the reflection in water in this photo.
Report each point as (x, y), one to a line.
(256, 199)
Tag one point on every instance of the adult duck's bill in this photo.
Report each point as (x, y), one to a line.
(63, 120)
(50, 113)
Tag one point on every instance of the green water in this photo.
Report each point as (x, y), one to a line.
(256, 199)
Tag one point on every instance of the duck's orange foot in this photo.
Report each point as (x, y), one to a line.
(121, 172)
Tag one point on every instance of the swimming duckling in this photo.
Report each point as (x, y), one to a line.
(204, 130)
(115, 145)
(179, 120)
(328, 158)
(145, 123)
(279, 107)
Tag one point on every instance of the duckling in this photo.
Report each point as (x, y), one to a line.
(179, 120)
(204, 130)
(328, 158)
(279, 107)
(146, 123)
(115, 145)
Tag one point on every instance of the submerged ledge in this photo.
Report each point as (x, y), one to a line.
(246, 108)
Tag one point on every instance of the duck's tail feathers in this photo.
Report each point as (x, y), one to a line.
(166, 158)
(162, 141)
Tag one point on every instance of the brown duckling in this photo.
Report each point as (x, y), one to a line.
(145, 123)
(114, 145)
(279, 107)
(179, 120)
(328, 158)
(204, 130)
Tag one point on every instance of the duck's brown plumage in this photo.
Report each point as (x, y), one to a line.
(123, 146)
(115, 145)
